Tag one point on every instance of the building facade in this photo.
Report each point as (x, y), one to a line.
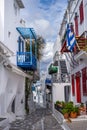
(61, 87)
(76, 16)
(12, 78)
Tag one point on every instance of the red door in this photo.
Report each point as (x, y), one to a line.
(78, 89)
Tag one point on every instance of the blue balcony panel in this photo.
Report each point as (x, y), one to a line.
(26, 60)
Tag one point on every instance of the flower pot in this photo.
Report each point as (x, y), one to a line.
(66, 115)
(73, 114)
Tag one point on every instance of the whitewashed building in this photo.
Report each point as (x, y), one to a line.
(76, 16)
(12, 79)
(61, 87)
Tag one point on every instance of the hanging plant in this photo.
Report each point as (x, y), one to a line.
(27, 92)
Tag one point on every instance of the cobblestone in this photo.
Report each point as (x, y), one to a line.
(41, 119)
(77, 125)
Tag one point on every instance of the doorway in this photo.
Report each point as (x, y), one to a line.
(67, 93)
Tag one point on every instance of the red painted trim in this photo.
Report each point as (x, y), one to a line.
(73, 85)
(76, 25)
(84, 84)
(78, 89)
(81, 11)
(64, 48)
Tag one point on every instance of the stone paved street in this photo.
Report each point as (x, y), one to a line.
(78, 125)
(41, 119)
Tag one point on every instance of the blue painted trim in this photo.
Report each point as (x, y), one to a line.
(19, 44)
(26, 32)
(22, 46)
(26, 60)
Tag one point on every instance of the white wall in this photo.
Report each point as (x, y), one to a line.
(57, 45)
(12, 21)
(12, 86)
(8, 23)
(58, 91)
(85, 12)
(2, 20)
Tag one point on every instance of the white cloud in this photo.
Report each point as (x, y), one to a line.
(45, 19)
(48, 52)
(41, 26)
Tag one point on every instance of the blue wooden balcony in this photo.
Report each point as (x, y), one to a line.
(26, 60)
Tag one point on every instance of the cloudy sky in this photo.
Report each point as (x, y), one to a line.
(45, 17)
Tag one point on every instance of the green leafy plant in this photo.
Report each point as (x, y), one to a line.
(27, 92)
(64, 110)
(75, 109)
(69, 106)
(63, 104)
(58, 102)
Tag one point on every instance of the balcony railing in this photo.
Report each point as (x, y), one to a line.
(26, 60)
(61, 78)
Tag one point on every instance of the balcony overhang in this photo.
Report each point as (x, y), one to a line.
(82, 41)
(27, 33)
(20, 3)
(80, 45)
(82, 55)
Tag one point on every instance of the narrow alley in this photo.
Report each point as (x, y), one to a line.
(41, 119)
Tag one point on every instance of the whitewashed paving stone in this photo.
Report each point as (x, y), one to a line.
(41, 119)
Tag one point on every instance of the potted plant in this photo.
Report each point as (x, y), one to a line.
(74, 112)
(69, 106)
(82, 108)
(63, 104)
(65, 113)
(58, 106)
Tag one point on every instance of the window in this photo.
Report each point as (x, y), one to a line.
(84, 75)
(9, 34)
(81, 11)
(15, 7)
(73, 86)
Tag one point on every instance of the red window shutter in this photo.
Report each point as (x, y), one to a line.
(84, 81)
(76, 25)
(73, 85)
(81, 11)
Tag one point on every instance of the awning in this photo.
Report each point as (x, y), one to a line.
(27, 33)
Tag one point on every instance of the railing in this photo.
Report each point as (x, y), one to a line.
(61, 78)
(26, 59)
